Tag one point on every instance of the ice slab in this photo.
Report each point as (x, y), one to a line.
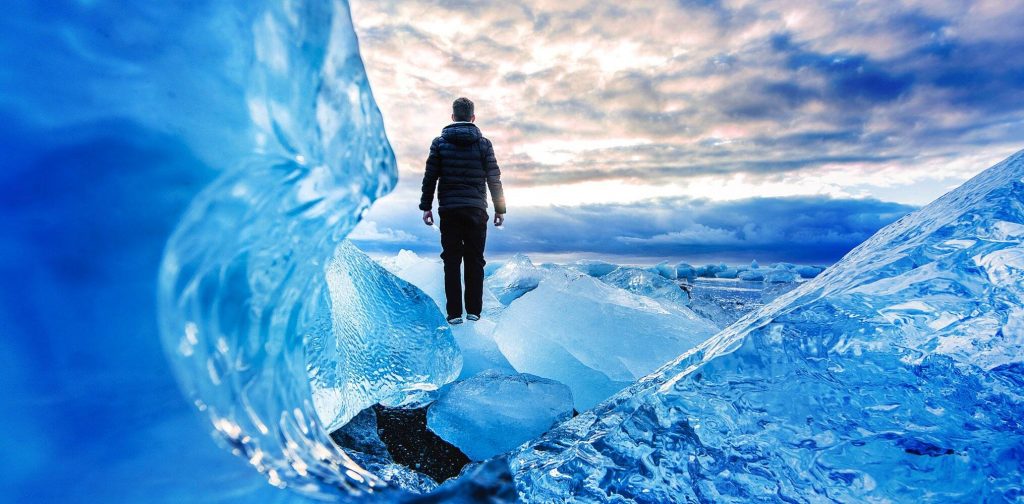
(592, 336)
(593, 267)
(894, 375)
(494, 412)
(516, 277)
(386, 342)
(647, 283)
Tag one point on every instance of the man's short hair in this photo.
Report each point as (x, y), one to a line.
(462, 109)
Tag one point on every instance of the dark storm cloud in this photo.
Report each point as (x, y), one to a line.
(808, 229)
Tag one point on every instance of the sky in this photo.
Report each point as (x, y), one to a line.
(696, 130)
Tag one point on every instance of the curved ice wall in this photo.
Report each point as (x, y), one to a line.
(115, 115)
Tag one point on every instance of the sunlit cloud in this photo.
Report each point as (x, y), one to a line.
(723, 100)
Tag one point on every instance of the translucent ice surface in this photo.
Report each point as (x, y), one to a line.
(515, 278)
(895, 375)
(207, 156)
(382, 340)
(647, 283)
(494, 412)
(592, 336)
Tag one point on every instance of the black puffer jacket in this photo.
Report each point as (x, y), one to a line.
(463, 161)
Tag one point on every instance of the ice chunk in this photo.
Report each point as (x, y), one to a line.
(780, 275)
(709, 270)
(479, 350)
(646, 283)
(727, 273)
(686, 271)
(807, 271)
(754, 265)
(494, 412)
(594, 337)
(389, 348)
(593, 268)
(751, 275)
(665, 270)
(515, 278)
(893, 375)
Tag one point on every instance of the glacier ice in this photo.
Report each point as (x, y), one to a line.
(592, 336)
(493, 412)
(392, 347)
(895, 375)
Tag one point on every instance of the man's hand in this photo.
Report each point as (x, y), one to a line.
(428, 218)
(499, 219)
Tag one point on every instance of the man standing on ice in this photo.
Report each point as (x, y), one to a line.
(463, 161)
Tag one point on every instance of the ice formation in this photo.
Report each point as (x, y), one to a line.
(594, 337)
(646, 283)
(665, 270)
(260, 115)
(391, 347)
(593, 267)
(494, 412)
(515, 278)
(686, 272)
(893, 376)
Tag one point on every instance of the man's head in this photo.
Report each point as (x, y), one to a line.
(462, 110)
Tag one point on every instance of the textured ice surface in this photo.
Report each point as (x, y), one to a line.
(515, 278)
(646, 283)
(592, 336)
(390, 347)
(116, 114)
(494, 412)
(893, 376)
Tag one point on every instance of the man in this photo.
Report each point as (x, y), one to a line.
(463, 161)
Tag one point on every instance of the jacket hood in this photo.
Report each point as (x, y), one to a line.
(461, 133)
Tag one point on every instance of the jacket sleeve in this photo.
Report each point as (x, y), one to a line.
(494, 179)
(430, 177)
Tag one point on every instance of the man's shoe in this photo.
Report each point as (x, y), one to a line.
(473, 318)
(455, 320)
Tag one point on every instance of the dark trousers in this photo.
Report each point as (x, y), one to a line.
(463, 233)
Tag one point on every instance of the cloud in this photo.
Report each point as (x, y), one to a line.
(772, 128)
(773, 89)
(809, 229)
(369, 231)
